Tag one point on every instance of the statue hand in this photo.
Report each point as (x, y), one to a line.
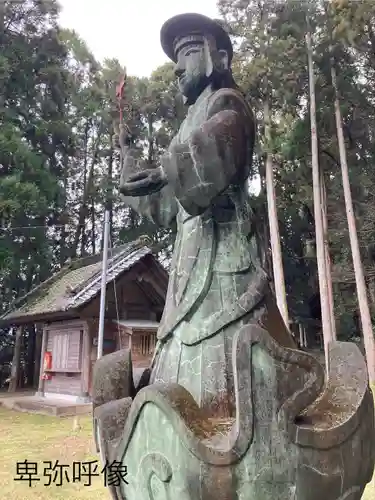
(144, 182)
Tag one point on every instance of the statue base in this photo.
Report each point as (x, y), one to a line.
(293, 436)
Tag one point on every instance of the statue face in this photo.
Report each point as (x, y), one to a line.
(191, 71)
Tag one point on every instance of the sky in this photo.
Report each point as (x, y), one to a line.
(128, 30)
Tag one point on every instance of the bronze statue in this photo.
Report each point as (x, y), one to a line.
(216, 282)
(227, 388)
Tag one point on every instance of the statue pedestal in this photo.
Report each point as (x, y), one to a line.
(291, 438)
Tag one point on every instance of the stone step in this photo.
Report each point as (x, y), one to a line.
(35, 407)
(53, 409)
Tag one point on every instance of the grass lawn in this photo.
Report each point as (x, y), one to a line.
(38, 438)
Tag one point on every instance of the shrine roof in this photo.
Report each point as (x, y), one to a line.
(76, 284)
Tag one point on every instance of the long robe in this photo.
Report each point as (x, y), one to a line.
(216, 281)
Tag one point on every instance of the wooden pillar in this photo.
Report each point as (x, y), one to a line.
(153, 343)
(30, 364)
(14, 375)
(86, 361)
(42, 351)
(301, 336)
(38, 347)
(304, 336)
(130, 339)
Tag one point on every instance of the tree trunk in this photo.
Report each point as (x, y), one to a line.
(150, 154)
(326, 253)
(368, 335)
(264, 239)
(83, 238)
(93, 231)
(63, 249)
(277, 260)
(82, 227)
(14, 375)
(2, 18)
(86, 195)
(319, 233)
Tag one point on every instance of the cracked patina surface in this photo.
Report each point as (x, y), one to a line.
(230, 409)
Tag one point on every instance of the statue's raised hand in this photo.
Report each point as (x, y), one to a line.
(136, 179)
(143, 183)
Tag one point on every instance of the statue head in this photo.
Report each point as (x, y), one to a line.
(202, 52)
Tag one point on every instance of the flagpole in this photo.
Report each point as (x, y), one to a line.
(99, 448)
(104, 284)
(119, 96)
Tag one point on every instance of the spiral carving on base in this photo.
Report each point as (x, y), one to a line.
(154, 465)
